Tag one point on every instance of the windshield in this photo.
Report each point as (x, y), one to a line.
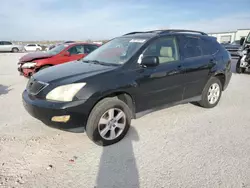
(57, 49)
(248, 38)
(116, 51)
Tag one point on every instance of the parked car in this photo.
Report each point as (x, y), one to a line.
(34, 62)
(33, 47)
(6, 46)
(233, 47)
(127, 77)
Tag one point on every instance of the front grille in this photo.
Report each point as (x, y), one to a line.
(34, 86)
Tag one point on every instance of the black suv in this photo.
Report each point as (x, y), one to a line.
(127, 77)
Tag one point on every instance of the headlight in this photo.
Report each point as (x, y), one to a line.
(244, 52)
(65, 93)
(29, 65)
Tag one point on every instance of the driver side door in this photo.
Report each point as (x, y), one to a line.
(162, 84)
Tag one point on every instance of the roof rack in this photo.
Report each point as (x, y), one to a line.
(178, 31)
(131, 33)
(168, 31)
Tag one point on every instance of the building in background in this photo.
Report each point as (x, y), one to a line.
(225, 37)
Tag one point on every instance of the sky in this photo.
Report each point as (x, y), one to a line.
(105, 19)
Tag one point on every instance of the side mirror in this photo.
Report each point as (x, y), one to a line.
(66, 53)
(242, 41)
(150, 61)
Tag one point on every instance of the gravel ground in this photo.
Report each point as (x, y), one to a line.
(182, 146)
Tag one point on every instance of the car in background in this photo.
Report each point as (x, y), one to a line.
(233, 47)
(6, 46)
(34, 62)
(32, 47)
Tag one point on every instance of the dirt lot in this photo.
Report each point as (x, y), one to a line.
(183, 146)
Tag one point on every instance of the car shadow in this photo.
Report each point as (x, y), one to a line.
(117, 166)
(4, 89)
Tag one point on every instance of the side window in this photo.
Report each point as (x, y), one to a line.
(89, 48)
(7, 43)
(31, 45)
(209, 46)
(1, 43)
(79, 49)
(165, 48)
(192, 47)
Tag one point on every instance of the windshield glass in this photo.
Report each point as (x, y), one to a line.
(116, 51)
(57, 49)
(248, 38)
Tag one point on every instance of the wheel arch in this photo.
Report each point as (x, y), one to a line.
(126, 97)
(221, 76)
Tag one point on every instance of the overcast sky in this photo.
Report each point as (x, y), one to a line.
(104, 19)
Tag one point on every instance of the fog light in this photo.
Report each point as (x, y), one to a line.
(61, 118)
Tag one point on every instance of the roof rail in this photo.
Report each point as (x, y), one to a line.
(131, 33)
(181, 31)
(167, 31)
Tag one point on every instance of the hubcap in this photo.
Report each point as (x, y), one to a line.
(112, 124)
(213, 93)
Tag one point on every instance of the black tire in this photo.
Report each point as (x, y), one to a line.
(96, 114)
(204, 99)
(37, 49)
(239, 69)
(15, 50)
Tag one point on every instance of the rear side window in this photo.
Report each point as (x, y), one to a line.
(31, 45)
(209, 46)
(89, 48)
(7, 43)
(192, 47)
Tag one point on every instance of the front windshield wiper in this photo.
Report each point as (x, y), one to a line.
(99, 62)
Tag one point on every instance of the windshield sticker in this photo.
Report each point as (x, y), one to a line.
(138, 40)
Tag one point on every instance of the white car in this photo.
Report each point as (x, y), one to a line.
(33, 47)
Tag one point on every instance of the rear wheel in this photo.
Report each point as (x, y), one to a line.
(211, 93)
(15, 50)
(108, 122)
(37, 49)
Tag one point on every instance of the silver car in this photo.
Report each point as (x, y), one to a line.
(6, 46)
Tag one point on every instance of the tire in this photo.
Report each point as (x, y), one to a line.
(15, 50)
(38, 50)
(205, 102)
(101, 109)
(239, 69)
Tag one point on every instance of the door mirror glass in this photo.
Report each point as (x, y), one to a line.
(242, 41)
(150, 61)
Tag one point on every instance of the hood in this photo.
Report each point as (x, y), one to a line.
(71, 72)
(33, 56)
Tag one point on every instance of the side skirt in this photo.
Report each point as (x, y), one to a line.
(143, 113)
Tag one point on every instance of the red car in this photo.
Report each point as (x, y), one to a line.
(33, 62)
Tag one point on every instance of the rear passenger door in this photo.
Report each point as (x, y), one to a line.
(88, 48)
(197, 62)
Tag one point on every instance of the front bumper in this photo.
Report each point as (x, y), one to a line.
(46, 110)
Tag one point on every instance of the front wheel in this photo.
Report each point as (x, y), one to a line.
(108, 122)
(211, 93)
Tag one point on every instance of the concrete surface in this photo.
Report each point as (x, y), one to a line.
(183, 146)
